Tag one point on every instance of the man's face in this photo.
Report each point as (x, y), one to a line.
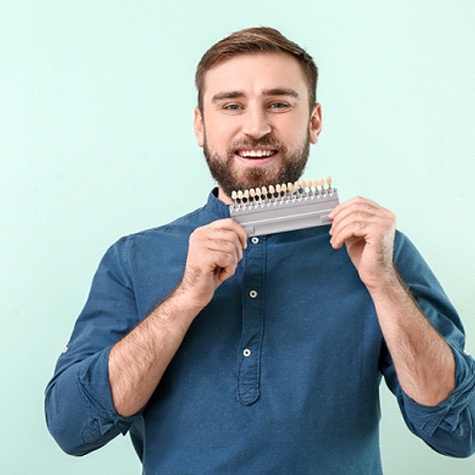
(256, 125)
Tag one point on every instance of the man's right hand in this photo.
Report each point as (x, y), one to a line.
(137, 361)
(214, 252)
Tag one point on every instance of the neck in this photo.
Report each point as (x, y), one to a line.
(223, 196)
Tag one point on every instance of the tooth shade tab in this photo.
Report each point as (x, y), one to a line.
(281, 192)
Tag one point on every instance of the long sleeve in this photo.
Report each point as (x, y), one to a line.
(79, 409)
(449, 427)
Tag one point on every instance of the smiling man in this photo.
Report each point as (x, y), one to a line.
(260, 124)
(220, 354)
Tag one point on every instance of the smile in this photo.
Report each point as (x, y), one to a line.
(255, 153)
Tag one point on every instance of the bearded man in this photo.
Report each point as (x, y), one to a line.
(222, 354)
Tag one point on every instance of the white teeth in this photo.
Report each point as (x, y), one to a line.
(256, 153)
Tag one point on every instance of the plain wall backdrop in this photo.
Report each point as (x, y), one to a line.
(96, 141)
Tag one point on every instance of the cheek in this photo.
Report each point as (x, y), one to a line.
(218, 133)
(294, 134)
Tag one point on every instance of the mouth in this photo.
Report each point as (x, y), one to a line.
(256, 155)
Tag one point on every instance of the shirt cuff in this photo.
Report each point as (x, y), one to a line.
(446, 415)
(93, 381)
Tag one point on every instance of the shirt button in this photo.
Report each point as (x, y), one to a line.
(255, 240)
(247, 352)
(253, 294)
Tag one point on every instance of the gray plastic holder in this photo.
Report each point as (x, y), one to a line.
(285, 214)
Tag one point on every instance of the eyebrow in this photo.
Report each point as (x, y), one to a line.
(278, 91)
(282, 91)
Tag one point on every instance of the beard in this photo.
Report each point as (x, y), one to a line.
(230, 178)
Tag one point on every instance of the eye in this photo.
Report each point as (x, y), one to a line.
(279, 105)
(232, 107)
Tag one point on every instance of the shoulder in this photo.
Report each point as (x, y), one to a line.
(167, 237)
(183, 226)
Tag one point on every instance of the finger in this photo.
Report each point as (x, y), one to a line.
(226, 247)
(355, 204)
(224, 240)
(234, 226)
(215, 246)
(372, 229)
(359, 210)
(224, 273)
(354, 229)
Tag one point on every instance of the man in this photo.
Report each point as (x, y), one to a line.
(226, 355)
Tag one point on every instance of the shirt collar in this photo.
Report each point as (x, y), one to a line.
(216, 206)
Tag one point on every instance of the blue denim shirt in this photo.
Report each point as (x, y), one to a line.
(278, 374)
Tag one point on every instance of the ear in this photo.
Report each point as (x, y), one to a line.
(315, 124)
(198, 125)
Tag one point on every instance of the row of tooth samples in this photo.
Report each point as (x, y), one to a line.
(299, 189)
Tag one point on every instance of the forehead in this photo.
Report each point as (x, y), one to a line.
(254, 73)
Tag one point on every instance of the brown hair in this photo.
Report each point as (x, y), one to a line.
(256, 40)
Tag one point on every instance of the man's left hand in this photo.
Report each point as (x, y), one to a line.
(368, 231)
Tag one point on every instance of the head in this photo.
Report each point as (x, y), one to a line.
(256, 40)
(256, 113)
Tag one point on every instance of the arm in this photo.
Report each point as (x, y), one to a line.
(112, 358)
(423, 360)
(426, 367)
(138, 361)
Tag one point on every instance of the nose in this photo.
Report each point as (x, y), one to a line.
(256, 123)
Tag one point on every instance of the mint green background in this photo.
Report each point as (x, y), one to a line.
(96, 141)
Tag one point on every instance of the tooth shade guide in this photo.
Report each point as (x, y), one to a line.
(303, 189)
(279, 208)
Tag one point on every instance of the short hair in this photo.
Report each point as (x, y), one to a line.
(256, 40)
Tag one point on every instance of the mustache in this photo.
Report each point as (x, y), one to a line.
(261, 142)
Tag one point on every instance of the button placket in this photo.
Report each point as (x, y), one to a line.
(249, 359)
